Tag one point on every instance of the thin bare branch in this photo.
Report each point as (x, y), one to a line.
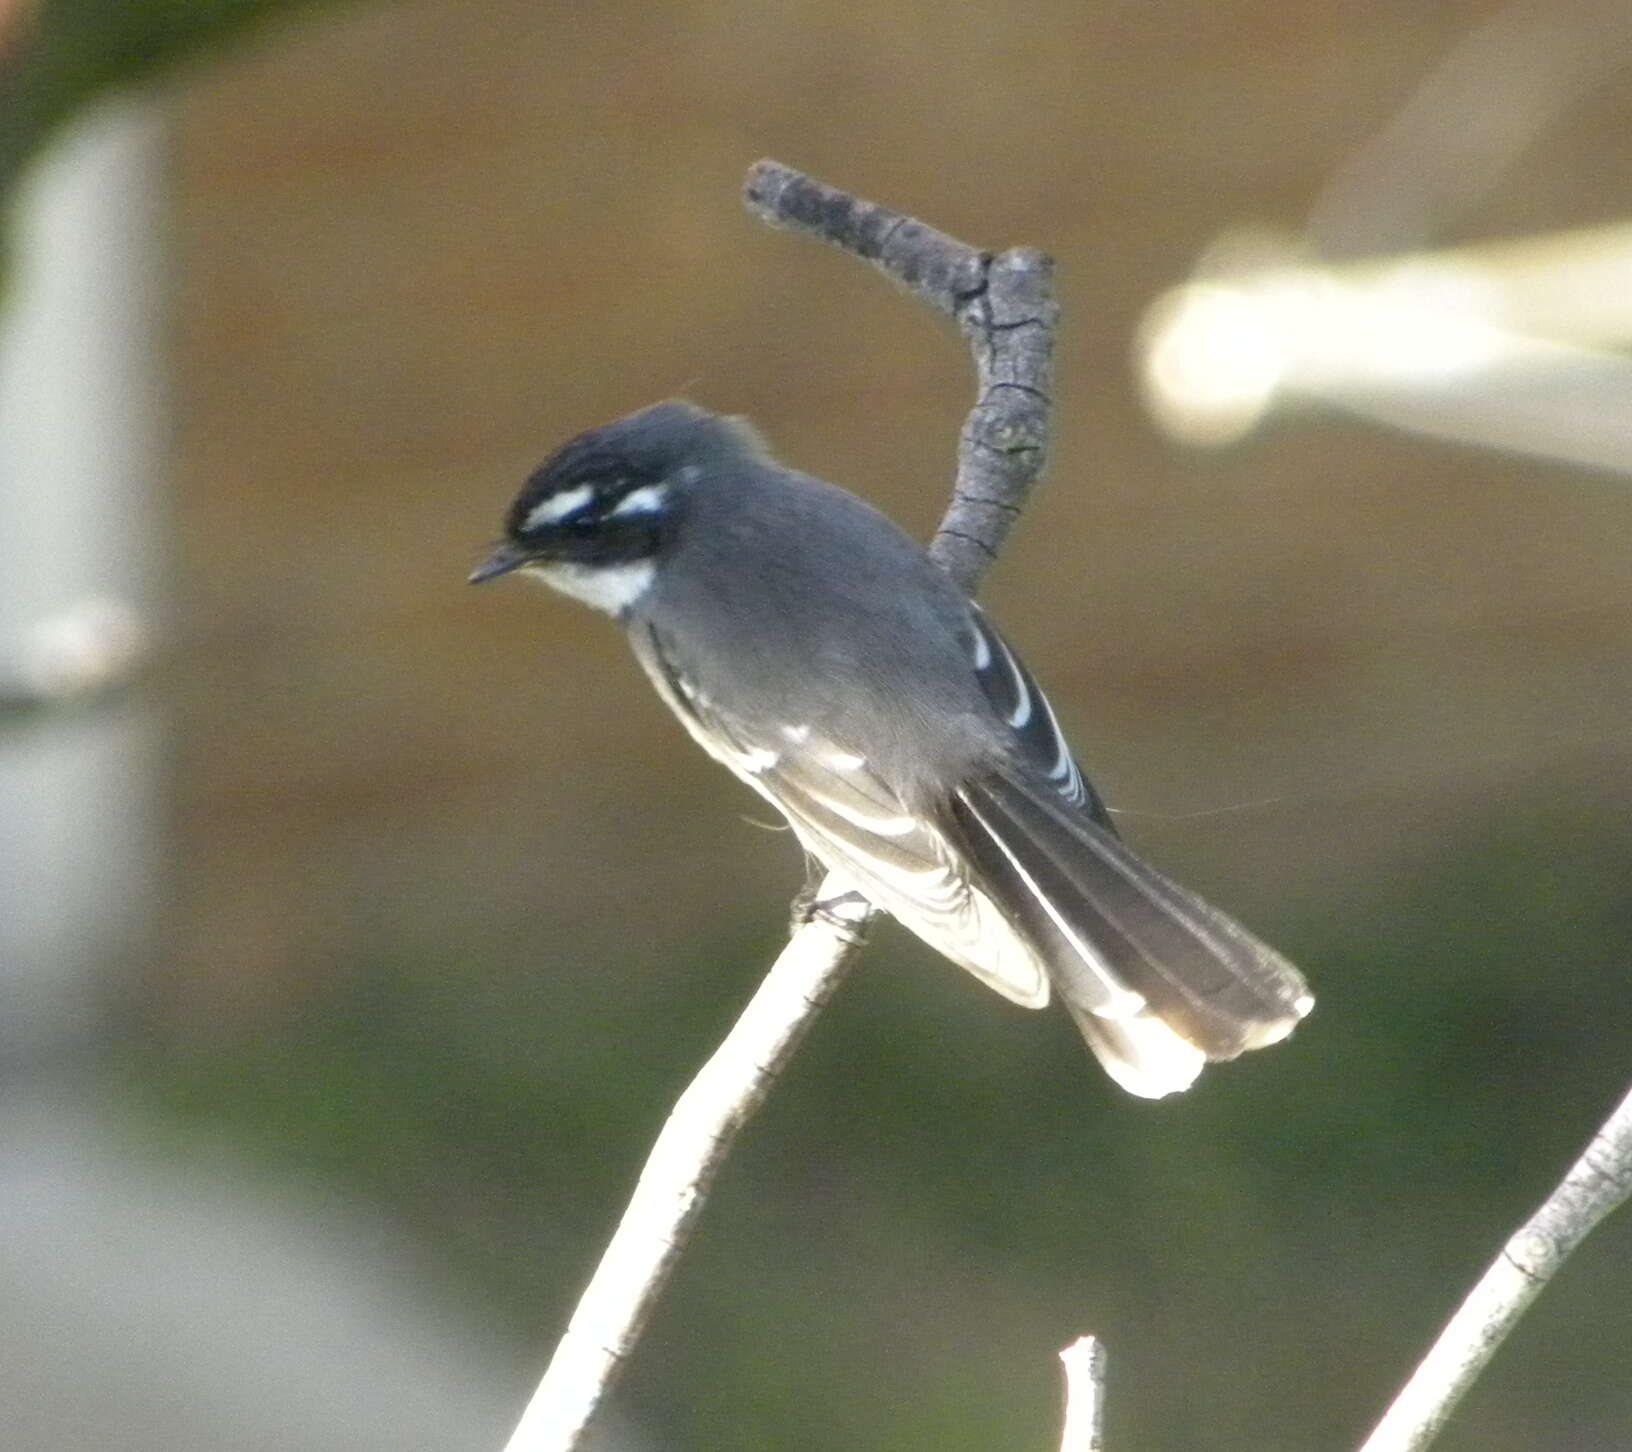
(676, 1180)
(1004, 307)
(1084, 1429)
(1597, 1183)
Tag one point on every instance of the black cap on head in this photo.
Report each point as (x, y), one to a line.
(641, 448)
(608, 495)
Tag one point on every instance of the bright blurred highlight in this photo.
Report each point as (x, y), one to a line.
(1219, 354)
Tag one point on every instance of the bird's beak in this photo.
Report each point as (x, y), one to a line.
(505, 558)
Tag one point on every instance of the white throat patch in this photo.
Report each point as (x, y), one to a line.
(612, 588)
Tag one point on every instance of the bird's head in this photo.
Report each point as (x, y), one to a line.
(605, 498)
(593, 517)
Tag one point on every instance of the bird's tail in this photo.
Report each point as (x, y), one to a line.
(1158, 981)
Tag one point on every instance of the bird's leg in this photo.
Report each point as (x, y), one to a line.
(837, 912)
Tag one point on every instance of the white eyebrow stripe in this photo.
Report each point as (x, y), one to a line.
(558, 506)
(648, 499)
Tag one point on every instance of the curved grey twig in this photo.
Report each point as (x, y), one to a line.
(1004, 306)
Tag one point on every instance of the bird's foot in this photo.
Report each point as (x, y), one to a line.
(844, 912)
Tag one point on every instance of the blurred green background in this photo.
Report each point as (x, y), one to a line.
(443, 910)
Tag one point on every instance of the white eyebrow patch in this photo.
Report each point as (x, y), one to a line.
(648, 499)
(558, 506)
(797, 734)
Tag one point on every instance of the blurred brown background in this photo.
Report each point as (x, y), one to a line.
(450, 908)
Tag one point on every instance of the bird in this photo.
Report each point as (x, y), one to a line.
(811, 646)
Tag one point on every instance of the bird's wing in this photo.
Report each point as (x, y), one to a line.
(1156, 978)
(1016, 698)
(850, 819)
